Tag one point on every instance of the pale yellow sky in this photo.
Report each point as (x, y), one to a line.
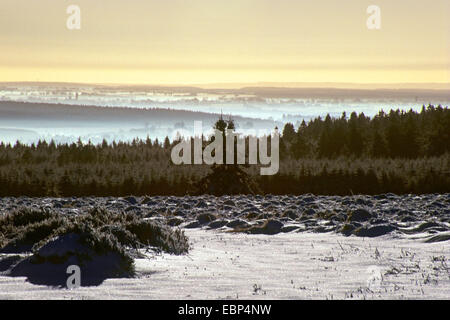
(209, 41)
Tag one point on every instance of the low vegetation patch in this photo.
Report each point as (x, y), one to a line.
(101, 242)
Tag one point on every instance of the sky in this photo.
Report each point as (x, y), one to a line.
(233, 41)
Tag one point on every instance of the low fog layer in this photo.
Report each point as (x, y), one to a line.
(64, 112)
(29, 122)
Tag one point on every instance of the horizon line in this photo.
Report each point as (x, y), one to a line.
(259, 84)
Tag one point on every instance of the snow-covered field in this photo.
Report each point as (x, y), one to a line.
(223, 265)
(275, 247)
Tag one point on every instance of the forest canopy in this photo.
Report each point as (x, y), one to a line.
(398, 151)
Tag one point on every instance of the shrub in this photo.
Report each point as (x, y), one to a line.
(100, 240)
(128, 229)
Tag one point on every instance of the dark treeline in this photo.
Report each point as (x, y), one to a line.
(396, 134)
(399, 152)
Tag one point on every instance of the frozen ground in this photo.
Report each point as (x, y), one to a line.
(224, 265)
(275, 247)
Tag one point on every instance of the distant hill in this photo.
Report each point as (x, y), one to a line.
(71, 113)
(237, 86)
(29, 122)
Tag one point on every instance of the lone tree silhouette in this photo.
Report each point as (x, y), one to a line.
(227, 178)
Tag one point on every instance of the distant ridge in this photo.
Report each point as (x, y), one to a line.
(58, 112)
(240, 86)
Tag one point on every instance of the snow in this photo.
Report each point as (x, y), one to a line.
(223, 265)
